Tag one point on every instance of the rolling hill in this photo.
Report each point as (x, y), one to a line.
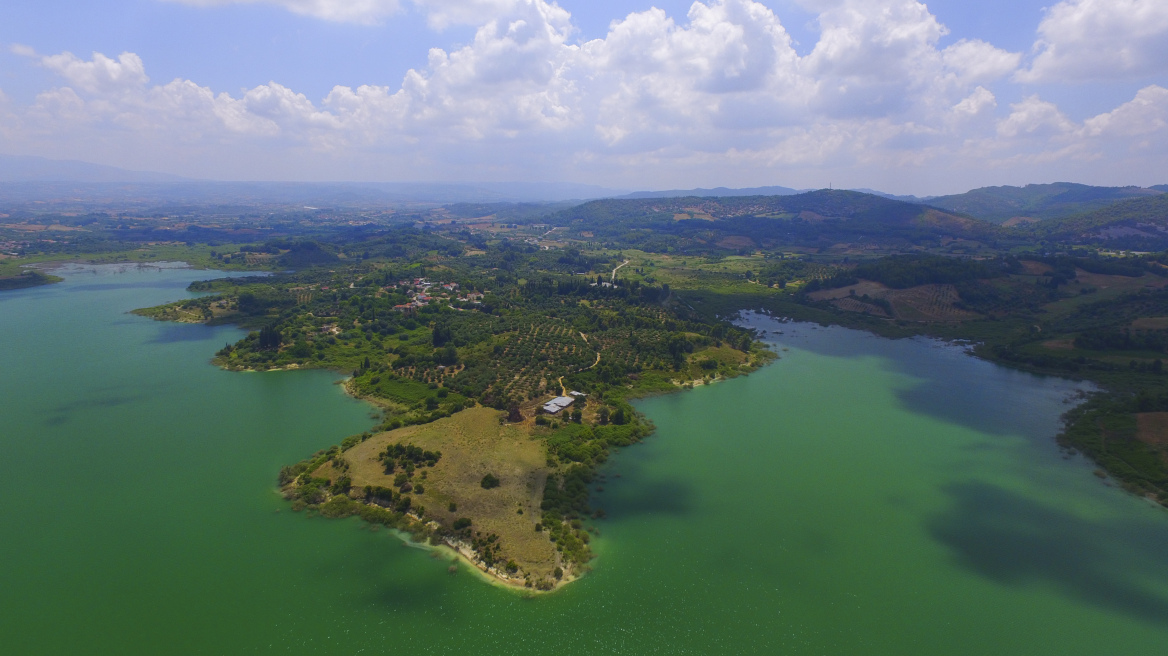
(816, 219)
(1036, 201)
(1135, 224)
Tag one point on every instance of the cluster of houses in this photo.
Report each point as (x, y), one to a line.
(12, 247)
(420, 293)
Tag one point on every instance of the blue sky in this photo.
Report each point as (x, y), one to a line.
(893, 94)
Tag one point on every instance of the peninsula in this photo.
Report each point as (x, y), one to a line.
(502, 378)
(502, 343)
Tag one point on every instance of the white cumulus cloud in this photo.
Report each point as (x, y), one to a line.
(1146, 114)
(1100, 40)
(343, 11)
(719, 96)
(101, 74)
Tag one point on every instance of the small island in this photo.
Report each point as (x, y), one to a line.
(27, 278)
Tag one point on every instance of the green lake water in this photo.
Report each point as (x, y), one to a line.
(859, 496)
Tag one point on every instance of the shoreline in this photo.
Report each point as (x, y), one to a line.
(477, 569)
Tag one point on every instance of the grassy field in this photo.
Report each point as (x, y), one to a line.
(473, 444)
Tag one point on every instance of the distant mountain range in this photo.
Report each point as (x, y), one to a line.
(25, 168)
(1000, 205)
(717, 192)
(24, 179)
(27, 178)
(1037, 202)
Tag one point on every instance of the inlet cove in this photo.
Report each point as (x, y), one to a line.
(855, 495)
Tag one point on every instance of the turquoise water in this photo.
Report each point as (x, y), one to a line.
(859, 496)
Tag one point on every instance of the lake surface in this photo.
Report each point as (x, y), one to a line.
(859, 496)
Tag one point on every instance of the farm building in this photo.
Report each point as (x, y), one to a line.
(557, 404)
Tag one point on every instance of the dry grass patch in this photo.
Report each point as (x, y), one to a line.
(1119, 283)
(1152, 429)
(1032, 268)
(863, 287)
(1019, 220)
(736, 242)
(722, 354)
(473, 444)
(1150, 323)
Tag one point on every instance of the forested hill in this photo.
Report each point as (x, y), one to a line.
(813, 219)
(1036, 201)
(1136, 224)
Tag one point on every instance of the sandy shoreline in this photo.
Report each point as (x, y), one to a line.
(465, 555)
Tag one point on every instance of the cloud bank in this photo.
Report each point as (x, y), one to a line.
(721, 97)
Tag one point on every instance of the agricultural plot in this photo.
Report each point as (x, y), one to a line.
(921, 303)
(536, 353)
(928, 303)
(850, 304)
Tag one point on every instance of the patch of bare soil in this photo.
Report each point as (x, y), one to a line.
(1036, 268)
(1150, 323)
(1152, 429)
(736, 242)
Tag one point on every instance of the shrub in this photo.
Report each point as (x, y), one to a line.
(489, 481)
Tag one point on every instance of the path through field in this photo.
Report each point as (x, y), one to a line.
(615, 270)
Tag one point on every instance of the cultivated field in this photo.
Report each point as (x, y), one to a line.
(921, 303)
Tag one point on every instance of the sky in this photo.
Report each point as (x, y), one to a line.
(897, 95)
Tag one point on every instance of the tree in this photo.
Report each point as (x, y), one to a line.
(513, 414)
(442, 334)
(618, 417)
(489, 481)
(269, 338)
(447, 356)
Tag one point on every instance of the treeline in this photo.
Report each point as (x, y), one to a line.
(903, 271)
(1122, 339)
